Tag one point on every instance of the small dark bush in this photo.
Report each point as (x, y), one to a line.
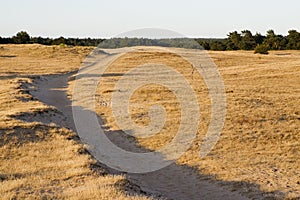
(262, 49)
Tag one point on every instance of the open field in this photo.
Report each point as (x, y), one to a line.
(260, 141)
(257, 155)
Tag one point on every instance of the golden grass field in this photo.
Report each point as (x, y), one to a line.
(260, 140)
(259, 145)
(41, 161)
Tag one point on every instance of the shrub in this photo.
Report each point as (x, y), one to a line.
(262, 49)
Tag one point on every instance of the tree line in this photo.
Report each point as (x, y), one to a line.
(23, 37)
(243, 40)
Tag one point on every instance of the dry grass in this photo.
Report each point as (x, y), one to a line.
(152, 94)
(260, 142)
(40, 161)
(38, 59)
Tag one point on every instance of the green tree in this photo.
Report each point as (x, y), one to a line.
(58, 41)
(233, 41)
(217, 46)
(247, 41)
(205, 45)
(293, 40)
(258, 38)
(273, 41)
(22, 37)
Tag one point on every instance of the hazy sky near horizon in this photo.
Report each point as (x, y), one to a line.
(192, 18)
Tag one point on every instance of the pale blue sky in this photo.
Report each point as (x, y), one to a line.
(97, 18)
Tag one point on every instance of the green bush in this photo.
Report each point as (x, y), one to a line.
(262, 49)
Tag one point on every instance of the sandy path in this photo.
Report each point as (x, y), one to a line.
(172, 182)
(51, 90)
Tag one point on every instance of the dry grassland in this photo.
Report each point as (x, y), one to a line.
(38, 160)
(259, 147)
